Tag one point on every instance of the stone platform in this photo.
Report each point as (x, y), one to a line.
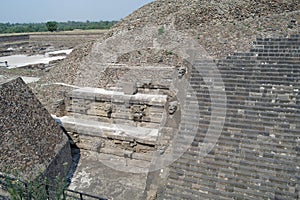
(93, 176)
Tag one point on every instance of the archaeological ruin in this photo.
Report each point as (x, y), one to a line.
(179, 100)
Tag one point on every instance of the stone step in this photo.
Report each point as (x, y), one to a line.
(254, 135)
(217, 185)
(246, 79)
(271, 150)
(243, 54)
(91, 144)
(247, 83)
(251, 125)
(261, 71)
(248, 130)
(255, 61)
(194, 191)
(254, 122)
(284, 56)
(290, 40)
(259, 80)
(223, 161)
(253, 97)
(280, 59)
(230, 62)
(106, 130)
(234, 173)
(276, 45)
(256, 193)
(234, 181)
(99, 94)
(284, 121)
(258, 111)
(253, 154)
(272, 50)
(118, 112)
(248, 67)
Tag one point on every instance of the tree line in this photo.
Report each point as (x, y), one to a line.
(54, 26)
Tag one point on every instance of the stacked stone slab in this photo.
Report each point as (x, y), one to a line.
(257, 153)
(106, 108)
(32, 144)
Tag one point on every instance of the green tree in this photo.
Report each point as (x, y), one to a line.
(51, 26)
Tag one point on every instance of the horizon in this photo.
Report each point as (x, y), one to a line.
(12, 23)
(33, 11)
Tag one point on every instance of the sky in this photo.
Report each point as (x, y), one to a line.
(34, 11)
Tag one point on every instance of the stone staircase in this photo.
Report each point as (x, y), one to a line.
(257, 153)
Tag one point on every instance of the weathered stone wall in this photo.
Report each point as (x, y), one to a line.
(31, 141)
(116, 107)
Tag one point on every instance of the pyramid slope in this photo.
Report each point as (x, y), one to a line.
(30, 138)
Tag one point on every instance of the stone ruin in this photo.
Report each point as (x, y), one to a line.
(32, 144)
(162, 119)
(226, 129)
(195, 129)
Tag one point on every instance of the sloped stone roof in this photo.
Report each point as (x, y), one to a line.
(29, 136)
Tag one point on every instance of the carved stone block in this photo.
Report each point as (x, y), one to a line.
(181, 72)
(138, 112)
(100, 109)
